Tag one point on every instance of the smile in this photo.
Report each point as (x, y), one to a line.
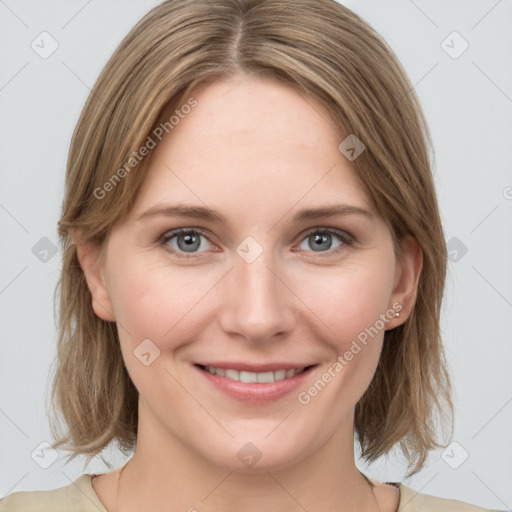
(251, 383)
(252, 377)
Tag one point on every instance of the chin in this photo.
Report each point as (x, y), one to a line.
(260, 456)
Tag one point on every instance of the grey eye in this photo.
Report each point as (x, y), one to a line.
(321, 241)
(186, 241)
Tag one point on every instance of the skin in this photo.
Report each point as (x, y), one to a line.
(257, 152)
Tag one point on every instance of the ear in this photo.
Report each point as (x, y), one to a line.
(407, 275)
(90, 258)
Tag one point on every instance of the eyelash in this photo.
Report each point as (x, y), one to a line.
(344, 237)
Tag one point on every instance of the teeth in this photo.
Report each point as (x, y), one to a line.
(267, 376)
(280, 375)
(250, 377)
(230, 374)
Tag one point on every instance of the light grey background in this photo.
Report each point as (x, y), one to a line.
(468, 103)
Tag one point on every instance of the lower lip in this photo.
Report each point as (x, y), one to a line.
(256, 391)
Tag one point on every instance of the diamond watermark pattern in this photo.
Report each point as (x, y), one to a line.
(457, 249)
(146, 352)
(44, 455)
(249, 454)
(351, 147)
(44, 250)
(44, 45)
(249, 250)
(454, 455)
(454, 45)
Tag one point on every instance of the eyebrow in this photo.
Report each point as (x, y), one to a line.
(207, 214)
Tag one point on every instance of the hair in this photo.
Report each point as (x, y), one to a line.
(321, 49)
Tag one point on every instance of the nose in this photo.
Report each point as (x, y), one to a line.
(256, 304)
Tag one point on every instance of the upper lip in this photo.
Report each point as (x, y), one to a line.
(256, 368)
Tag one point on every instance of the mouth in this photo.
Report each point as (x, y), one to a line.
(254, 384)
(248, 377)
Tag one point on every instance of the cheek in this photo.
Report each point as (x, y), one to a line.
(156, 301)
(350, 300)
(151, 302)
(351, 305)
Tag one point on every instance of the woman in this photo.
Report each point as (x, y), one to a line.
(202, 324)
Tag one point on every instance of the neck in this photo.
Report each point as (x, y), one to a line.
(171, 476)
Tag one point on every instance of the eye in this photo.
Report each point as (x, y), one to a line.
(321, 240)
(187, 241)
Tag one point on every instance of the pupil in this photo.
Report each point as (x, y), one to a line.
(189, 242)
(321, 238)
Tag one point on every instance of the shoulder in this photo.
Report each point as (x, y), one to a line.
(413, 501)
(78, 496)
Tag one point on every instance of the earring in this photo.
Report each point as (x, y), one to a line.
(397, 314)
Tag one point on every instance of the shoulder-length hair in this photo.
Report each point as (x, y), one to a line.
(325, 50)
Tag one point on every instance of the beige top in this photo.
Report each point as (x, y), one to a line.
(80, 496)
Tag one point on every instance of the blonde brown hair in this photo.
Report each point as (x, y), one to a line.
(326, 51)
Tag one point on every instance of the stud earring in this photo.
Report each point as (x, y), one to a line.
(397, 314)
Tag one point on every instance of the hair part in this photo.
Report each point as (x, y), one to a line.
(326, 52)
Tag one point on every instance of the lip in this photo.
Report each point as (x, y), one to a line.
(257, 368)
(255, 392)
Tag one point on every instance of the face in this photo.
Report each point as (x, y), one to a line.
(256, 293)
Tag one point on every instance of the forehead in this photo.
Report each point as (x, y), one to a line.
(249, 145)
